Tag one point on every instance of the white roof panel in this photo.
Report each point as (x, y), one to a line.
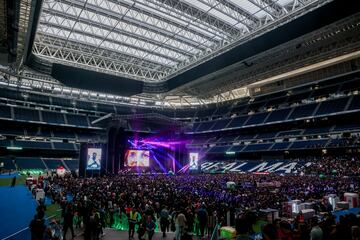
(171, 35)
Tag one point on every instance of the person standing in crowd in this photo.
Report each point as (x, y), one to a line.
(316, 232)
(132, 219)
(212, 222)
(68, 220)
(150, 227)
(13, 181)
(37, 227)
(180, 225)
(203, 217)
(164, 220)
(142, 227)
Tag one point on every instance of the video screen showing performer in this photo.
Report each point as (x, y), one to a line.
(94, 159)
(137, 158)
(194, 161)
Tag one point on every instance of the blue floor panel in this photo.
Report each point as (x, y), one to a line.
(17, 209)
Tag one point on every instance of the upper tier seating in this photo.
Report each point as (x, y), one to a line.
(33, 144)
(53, 163)
(257, 118)
(77, 120)
(26, 114)
(278, 115)
(64, 146)
(332, 106)
(257, 147)
(30, 163)
(72, 164)
(280, 146)
(53, 117)
(309, 144)
(5, 111)
(303, 111)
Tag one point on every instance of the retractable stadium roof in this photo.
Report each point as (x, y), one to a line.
(154, 40)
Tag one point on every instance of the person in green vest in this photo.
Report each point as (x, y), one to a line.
(133, 218)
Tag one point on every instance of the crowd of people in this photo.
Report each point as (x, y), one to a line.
(194, 205)
(332, 165)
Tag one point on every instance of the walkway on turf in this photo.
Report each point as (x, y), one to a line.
(114, 234)
(17, 209)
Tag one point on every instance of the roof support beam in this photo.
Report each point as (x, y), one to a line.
(116, 30)
(92, 35)
(201, 15)
(241, 11)
(115, 16)
(277, 7)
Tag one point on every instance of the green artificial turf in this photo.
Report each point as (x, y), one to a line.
(53, 211)
(7, 181)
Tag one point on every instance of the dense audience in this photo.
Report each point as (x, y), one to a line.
(195, 205)
(336, 166)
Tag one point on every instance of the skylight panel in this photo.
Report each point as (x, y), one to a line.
(199, 5)
(247, 6)
(284, 2)
(223, 17)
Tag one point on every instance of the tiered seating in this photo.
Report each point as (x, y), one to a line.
(33, 144)
(237, 122)
(320, 130)
(53, 163)
(37, 98)
(26, 114)
(105, 108)
(257, 118)
(345, 127)
(5, 111)
(296, 97)
(85, 136)
(64, 102)
(77, 120)
(290, 133)
(53, 117)
(5, 143)
(243, 137)
(30, 163)
(267, 135)
(309, 144)
(278, 115)
(8, 163)
(257, 147)
(325, 91)
(227, 139)
(72, 164)
(84, 105)
(205, 126)
(332, 106)
(219, 149)
(11, 131)
(220, 124)
(303, 111)
(355, 103)
(64, 134)
(280, 146)
(64, 146)
(237, 148)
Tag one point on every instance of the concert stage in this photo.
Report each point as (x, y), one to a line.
(138, 143)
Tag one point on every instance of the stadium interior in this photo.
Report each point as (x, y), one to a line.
(179, 119)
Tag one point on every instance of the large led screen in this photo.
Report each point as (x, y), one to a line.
(94, 158)
(194, 161)
(137, 158)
